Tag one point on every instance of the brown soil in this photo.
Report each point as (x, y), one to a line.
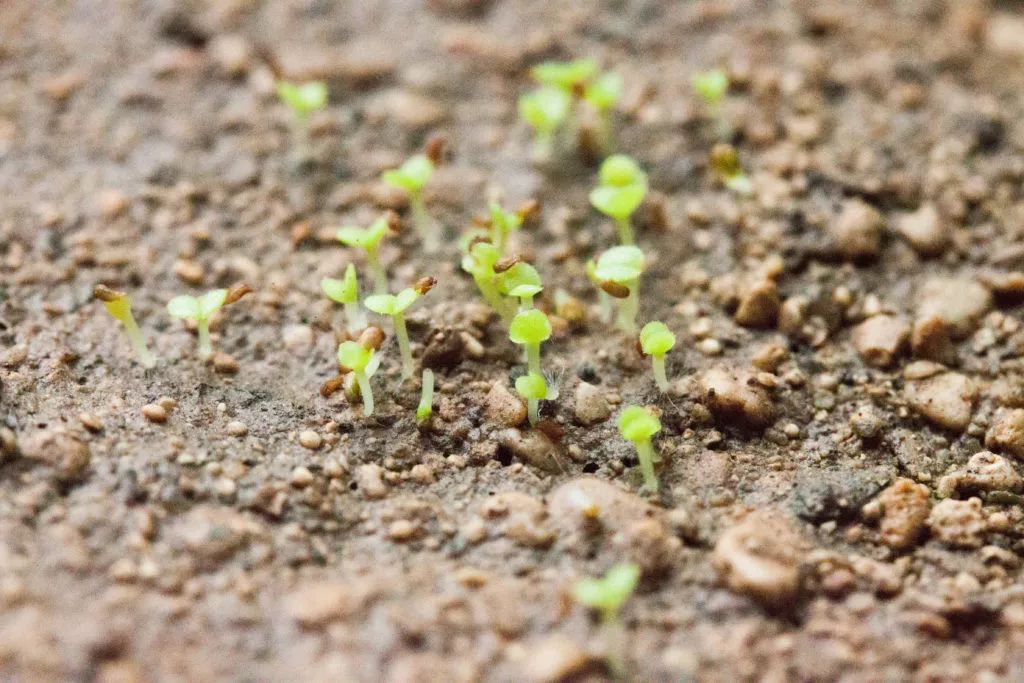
(817, 519)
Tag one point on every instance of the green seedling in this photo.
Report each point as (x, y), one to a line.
(602, 95)
(534, 389)
(346, 292)
(521, 281)
(725, 164)
(303, 99)
(530, 328)
(638, 425)
(200, 309)
(607, 595)
(503, 223)
(617, 274)
(359, 360)
(426, 406)
(545, 110)
(119, 307)
(711, 86)
(368, 239)
(412, 176)
(395, 305)
(656, 340)
(479, 261)
(622, 188)
(569, 77)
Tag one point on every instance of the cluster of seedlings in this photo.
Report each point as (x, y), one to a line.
(573, 100)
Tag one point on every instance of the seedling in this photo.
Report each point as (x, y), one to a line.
(411, 176)
(303, 99)
(534, 389)
(567, 76)
(200, 309)
(368, 240)
(622, 188)
(607, 595)
(521, 281)
(656, 340)
(617, 273)
(546, 110)
(530, 328)
(603, 94)
(426, 406)
(395, 306)
(119, 307)
(503, 223)
(346, 292)
(638, 425)
(357, 359)
(725, 164)
(479, 262)
(712, 86)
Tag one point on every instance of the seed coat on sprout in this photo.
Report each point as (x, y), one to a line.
(119, 306)
(395, 305)
(359, 360)
(617, 274)
(200, 309)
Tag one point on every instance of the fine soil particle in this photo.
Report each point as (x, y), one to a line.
(848, 346)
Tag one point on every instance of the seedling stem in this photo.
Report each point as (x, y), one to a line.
(426, 406)
(119, 307)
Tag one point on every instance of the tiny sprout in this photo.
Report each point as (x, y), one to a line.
(534, 389)
(411, 176)
(656, 340)
(395, 306)
(346, 292)
(545, 110)
(617, 274)
(303, 98)
(479, 261)
(567, 76)
(521, 281)
(725, 163)
(621, 190)
(638, 425)
(200, 309)
(426, 406)
(711, 86)
(368, 240)
(358, 359)
(608, 594)
(120, 308)
(530, 328)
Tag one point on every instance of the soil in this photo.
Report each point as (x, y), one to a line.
(848, 342)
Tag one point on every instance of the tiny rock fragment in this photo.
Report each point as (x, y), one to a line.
(759, 304)
(401, 530)
(760, 557)
(932, 339)
(904, 508)
(555, 658)
(1007, 433)
(881, 339)
(225, 364)
(958, 523)
(590, 405)
(310, 439)
(925, 230)
(532, 447)
(946, 400)
(189, 272)
(154, 412)
(734, 394)
(985, 471)
(65, 453)
(959, 302)
(857, 231)
(237, 428)
(301, 477)
(503, 407)
(370, 479)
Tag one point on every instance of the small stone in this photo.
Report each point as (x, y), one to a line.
(866, 422)
(961, 303)
(91, 422)
(857, 232)
(301, 477)
(370, 479)
(59, 449)
(985, 471)
(590, 405)
(946, 400)
(555, 658)
(932, 339)
(189, 272)
(735, 394)
(760, 557)
(503, 407)
(232, 54)
(237, 428)
(154, 412)
(1007, 432)
(904, 507)
(925, 230)
(474, 530)
(310, 439)
(759, 305)
(881, 339)
(298, 339)
(224, 364)
(401, 530)
(532, 447)
(958, 523)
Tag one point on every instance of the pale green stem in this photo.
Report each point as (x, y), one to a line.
(403, 345)
(625, 230)
(658, 365)
(300, 130)
(205, 348)
(605, 300)
(628, 309)
(138, 344)
(355, 320)
(380, 277)
(615, 646)
(645, 452)
(365, 391)
(544, 145)
(491, 295)
(426, 406)
(424, 224)
(532, 410)
(526, 302)
(499, 237)
(533, 358)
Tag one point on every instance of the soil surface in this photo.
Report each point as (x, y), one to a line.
(840, 474)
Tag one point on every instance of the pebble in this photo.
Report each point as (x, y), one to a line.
(958, 523)
(224, 364)
(946, 400)
(857, 231)
(237, 428)
(590, 405)
(881, 339)
(297, 339)
(734, 394)
(961, 303)
(904, 507)
(985, 471)
(316, 603)
(503, 407)
(1007, 433)
(310, 439)
(532, 447)
(91, 422)
(866, 422)
(925, 230)
(189, 272)
(61, 450)
(760, 557)
(301, 477)
(932, 339)
(401, 530)
(154, 412)
(370, 479)
(759, 305)
(555, 658)
(710, 347)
